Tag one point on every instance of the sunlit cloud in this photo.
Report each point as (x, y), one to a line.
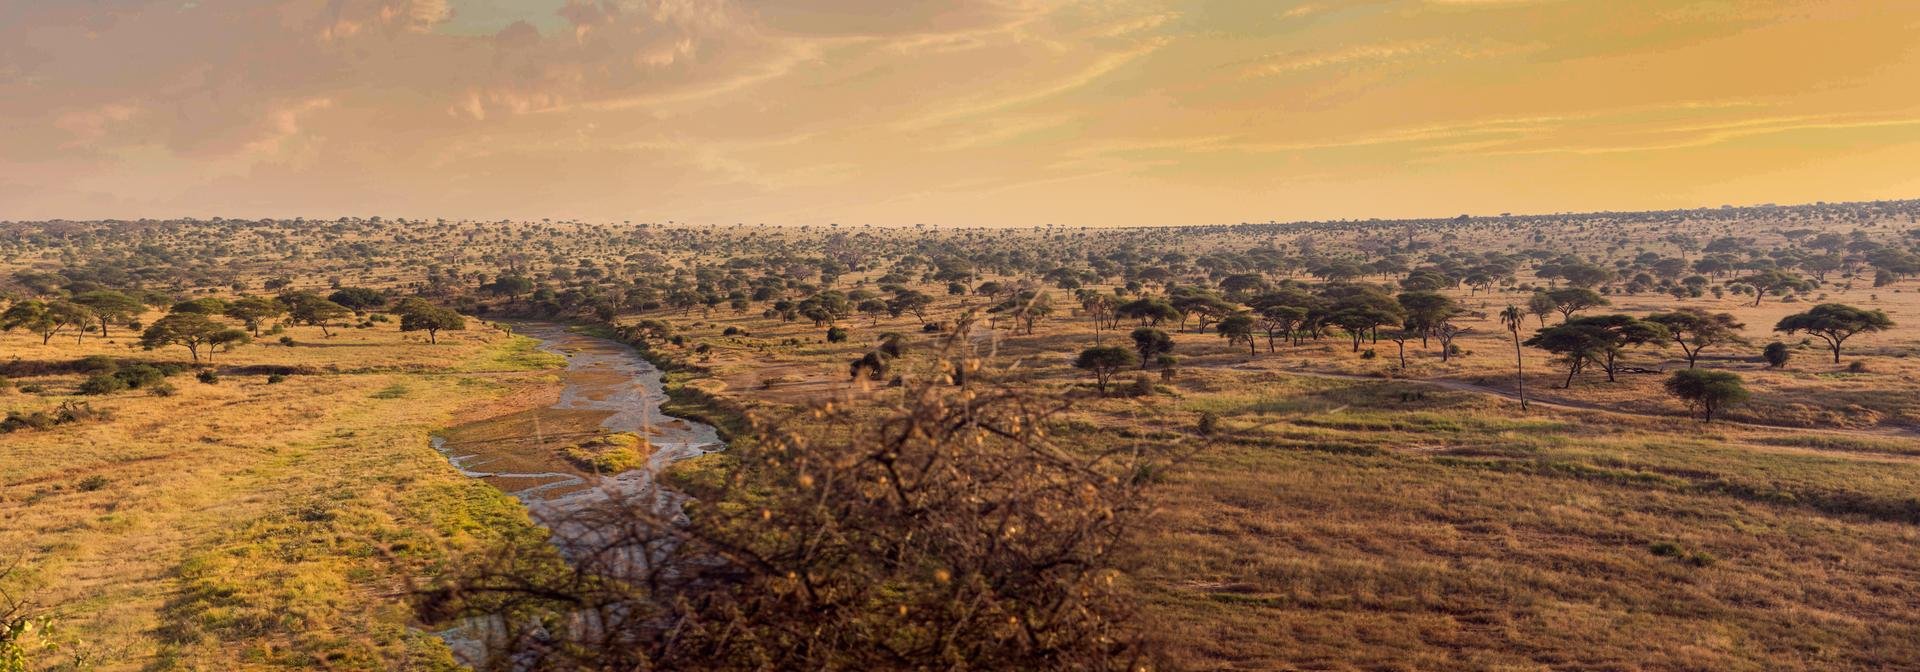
(945, 111)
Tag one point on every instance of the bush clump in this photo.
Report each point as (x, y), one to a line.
(69, 412)
(102, 383)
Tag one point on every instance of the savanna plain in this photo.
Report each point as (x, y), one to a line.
(1677, 440)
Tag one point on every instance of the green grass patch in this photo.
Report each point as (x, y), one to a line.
(517, 353)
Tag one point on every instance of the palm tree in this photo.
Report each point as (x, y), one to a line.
(1511, 319)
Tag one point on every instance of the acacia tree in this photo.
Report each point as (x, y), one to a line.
(45, 318)
(1597, 340)
(1706, 392)
(1446, 332)
(1149, 311)
(187, 329)
(226, 339)
(1541, 305)
(1835, 323)
(873, 309)
(1026, 307)
(1773, 280)
(418, 315)
(910, 301)
(1151, 343)
(1103, 362)
(1696, 330)
(253, 310)
(109, 306)
(1281, 322)
(1238, 328)
(309, 309)
(1400, 338)
(1099, 306)
(1359, 320)
(1426, 311)
(1570, 300)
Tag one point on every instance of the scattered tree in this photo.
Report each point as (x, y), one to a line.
(1696, 330)
(1597, 340)
(1776, 354)
(188, 329)
(1706, 392)
(1151, 343)
(1103, 362)
(1835, 323)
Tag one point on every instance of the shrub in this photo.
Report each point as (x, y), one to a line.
(836, 335)
(142, 375)
(1857, 366)
(951, 530)
(92, 483)
(97, 364)
(1208, 424)
(276, 378)
(1142, 387)
(163, 390)
(102, 383)
(1706, 391)
(286, 340)
(207, 377)
(69, 412)
(1776, 355)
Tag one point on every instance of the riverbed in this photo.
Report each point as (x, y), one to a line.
(607, 387)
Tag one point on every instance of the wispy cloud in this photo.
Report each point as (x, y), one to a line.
(1009, 111)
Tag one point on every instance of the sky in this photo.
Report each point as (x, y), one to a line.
(956, 113)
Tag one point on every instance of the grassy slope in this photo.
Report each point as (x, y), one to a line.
(247, 524)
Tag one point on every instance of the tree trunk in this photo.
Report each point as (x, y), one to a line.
(1519, 371)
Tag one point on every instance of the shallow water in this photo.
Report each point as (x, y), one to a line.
(607, 384)
(608, 388)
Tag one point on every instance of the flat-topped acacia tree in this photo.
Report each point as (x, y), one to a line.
(190, 330)
(109, 306)
(309, 309)
(1103, 362)
(1597, 340)
(46, 318)
(1835, 323)
(418, 315)
(1695, 330)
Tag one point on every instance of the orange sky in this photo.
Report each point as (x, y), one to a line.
(968, 112)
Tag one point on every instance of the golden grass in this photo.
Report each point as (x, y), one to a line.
(248, 524)
(1388, 525)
